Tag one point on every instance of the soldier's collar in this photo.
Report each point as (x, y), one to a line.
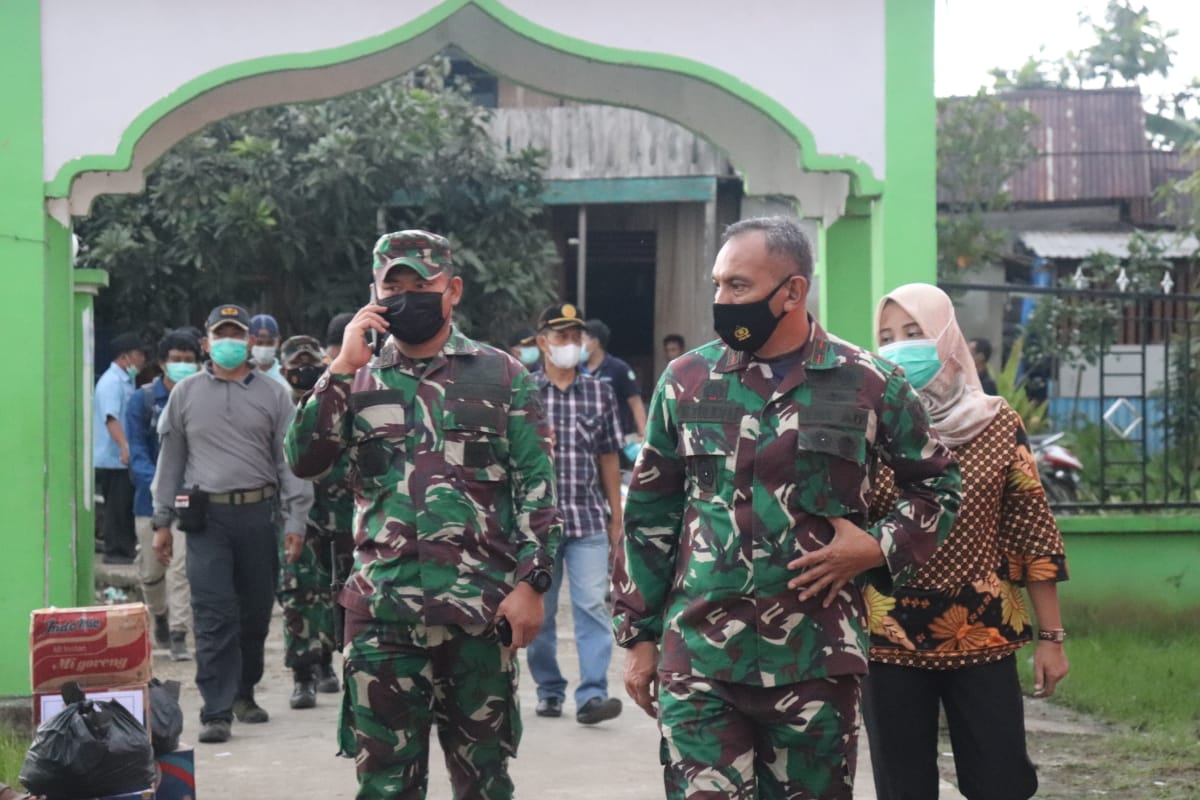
(456, 345)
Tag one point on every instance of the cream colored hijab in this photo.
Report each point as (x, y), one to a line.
(954, 397)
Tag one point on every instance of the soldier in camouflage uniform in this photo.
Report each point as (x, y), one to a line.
(757, 462)
(305, 580)
(455, 524)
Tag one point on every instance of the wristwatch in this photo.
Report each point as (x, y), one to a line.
(540, 579)
(1056, 635)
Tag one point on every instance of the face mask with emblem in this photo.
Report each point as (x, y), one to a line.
(918, 357)
(747, 326)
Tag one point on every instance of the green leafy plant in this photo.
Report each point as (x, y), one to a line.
(1011, 386)
(278, 209)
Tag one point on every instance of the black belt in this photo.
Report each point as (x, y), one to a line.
(242, 497)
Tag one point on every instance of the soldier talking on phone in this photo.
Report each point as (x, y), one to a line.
(455, 526)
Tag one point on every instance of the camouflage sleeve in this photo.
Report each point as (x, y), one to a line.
(645, 566)
(531, 467)
(320, 428)
(926, 483)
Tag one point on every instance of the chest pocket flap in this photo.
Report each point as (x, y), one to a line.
(475, 424)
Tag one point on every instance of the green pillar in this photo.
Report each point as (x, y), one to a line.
(910, 199)
(852, 272)
(25, 576)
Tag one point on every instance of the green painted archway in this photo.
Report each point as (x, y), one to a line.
(46, 305)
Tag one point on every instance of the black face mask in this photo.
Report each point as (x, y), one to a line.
(414, 317)
(747, 326)
(304, 378)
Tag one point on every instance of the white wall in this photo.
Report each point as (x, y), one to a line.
(106, 63)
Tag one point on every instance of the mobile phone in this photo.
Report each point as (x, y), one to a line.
(504, 632)
(372, 334)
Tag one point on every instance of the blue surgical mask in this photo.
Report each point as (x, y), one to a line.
(918, 357)
(529, 355)
(228, 353)
(178, 370)
(132, 371)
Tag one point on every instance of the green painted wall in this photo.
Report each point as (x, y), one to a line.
(24, 569)
(853, 272)
(1141, 569)
(910, 199)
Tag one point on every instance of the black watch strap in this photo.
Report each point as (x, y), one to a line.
(539, 579)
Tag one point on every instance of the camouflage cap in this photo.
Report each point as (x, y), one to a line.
(426, 253)
(296, 346)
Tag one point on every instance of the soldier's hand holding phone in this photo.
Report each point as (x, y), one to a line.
(356, 351)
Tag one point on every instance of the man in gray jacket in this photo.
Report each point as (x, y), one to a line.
(221, 470)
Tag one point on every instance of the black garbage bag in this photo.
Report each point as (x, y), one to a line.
(166, 717)
(89, 749)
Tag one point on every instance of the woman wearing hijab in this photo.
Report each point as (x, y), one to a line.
(948, 638)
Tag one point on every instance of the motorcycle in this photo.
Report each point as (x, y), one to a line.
(1058, 468)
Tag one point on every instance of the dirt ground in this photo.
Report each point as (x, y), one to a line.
(562, 760)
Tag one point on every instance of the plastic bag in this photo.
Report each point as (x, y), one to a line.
(89, 749)
(166, 717)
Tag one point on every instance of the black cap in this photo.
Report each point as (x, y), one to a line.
(125, 342)
(521, 336)
(560, 317)
(228, 312)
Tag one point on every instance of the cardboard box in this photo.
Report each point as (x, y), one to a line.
(97, 647)
(177, 776)
(135, 698)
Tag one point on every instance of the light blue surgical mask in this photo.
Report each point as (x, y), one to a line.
(529, 355)
(228, 353)
(918, 357)
(178, 370)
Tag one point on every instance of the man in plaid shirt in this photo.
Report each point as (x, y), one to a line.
(583, 415)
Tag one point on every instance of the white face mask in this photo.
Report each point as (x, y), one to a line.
(263, 354)
(564, 356)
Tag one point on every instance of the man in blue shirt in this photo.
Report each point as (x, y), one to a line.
(110, 451)
(165, 588)
(607, 368)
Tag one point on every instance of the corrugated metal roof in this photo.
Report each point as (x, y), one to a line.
(1092, 143)
(1081, 244)
(1092, 146)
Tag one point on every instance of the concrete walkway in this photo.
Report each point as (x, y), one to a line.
(293, 755)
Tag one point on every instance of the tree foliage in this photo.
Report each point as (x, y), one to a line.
(1129, 45)
(278, 209)
(982, 142)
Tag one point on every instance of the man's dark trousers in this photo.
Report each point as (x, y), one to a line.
(232, 568)
(116, 487)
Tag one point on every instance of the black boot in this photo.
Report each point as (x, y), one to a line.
(162, 632)
(327, 680)
(304, 692)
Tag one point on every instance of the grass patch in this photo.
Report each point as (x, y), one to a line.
(12, 755)
(1136, 667)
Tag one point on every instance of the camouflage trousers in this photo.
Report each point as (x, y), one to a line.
(400, 680)
(306, 596)
(727, 741)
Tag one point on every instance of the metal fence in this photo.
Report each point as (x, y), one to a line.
(1119, 373)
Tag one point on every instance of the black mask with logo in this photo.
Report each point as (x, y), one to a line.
(305, 377)
(747, 326)
(414, 317)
